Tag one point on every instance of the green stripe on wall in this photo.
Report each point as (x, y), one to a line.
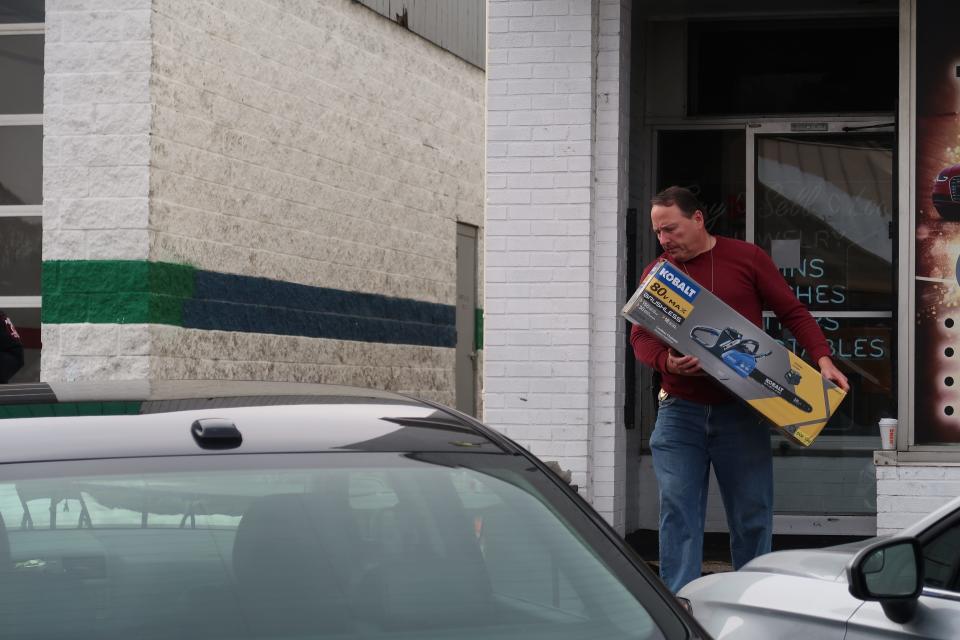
(70, 409)
(115, 291)
(141, 292)
(478, 330)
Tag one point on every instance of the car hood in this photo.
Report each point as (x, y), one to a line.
(822, 564)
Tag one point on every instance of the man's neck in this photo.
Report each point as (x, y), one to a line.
(708, 244)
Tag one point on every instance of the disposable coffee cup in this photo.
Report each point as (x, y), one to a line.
(888, 433)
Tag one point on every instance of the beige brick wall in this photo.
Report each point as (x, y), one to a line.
(312, 142)
(425, 372)
(318, 143)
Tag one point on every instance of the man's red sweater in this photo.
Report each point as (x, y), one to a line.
(742, 275)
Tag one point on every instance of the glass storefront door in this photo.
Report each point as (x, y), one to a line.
(822, 204)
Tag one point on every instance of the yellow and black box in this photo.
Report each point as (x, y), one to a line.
(787, 391)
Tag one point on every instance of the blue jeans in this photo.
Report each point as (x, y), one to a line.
(686, 439)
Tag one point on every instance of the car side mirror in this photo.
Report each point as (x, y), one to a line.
(889, 572)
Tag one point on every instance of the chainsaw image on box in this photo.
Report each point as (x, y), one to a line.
(741, 355)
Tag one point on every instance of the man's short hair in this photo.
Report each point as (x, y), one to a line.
(682, 197)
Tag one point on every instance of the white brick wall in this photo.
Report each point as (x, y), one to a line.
(556, 192)
(611, 180)
(179, 353)
(539, 227)
(95, 351)
(96, 157)
(125, 351)
(96, 149)
(907, 493)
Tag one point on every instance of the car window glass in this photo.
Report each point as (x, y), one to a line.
(941, 560)
(518, 564)
(400, 548)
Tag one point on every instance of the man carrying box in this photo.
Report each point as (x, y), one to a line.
(699, 422)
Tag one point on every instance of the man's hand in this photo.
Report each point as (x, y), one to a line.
(829, 371)
(683, 365)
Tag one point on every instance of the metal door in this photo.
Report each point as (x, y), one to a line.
(466, 357)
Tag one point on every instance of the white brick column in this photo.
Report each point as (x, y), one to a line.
(539, 228)
(556, 195)
(96, 137)
(608, 338)
(96, 168)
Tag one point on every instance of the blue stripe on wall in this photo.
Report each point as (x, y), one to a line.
(259, 305)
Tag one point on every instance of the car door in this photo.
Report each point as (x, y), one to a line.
(938, 610)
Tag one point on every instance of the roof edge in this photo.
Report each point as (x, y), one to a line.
(149, 389)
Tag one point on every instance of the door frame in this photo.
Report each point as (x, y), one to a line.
(784, 523)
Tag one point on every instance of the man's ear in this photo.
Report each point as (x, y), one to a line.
(698, 212)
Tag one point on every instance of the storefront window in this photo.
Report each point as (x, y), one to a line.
(824, 211)
(20, 242)
(831, 196)
(866, 347)
(21, 67)
(21, 11)
(21, 165)
(21, 172)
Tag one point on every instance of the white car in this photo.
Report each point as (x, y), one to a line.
(902, 586)
(213, 510)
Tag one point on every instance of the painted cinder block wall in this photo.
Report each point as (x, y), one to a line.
(906, 493)
(273, 188)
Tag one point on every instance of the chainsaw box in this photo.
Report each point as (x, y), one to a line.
(740, 355)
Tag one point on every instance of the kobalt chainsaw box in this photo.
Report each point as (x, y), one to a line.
(740, 355)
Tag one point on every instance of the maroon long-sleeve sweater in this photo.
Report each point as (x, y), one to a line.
(742, 275)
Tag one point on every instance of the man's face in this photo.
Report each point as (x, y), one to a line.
(680, 236)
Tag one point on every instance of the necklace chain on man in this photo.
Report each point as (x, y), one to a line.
(710, 251)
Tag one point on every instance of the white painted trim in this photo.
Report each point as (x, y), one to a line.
(750, 178)
(21, 210)
(824, 525)
(20, 302)
(925, 456)
(907, 229)
(833, 124)
(21, 120)
(23, 29)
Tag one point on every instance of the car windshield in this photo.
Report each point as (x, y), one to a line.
(304, 545)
